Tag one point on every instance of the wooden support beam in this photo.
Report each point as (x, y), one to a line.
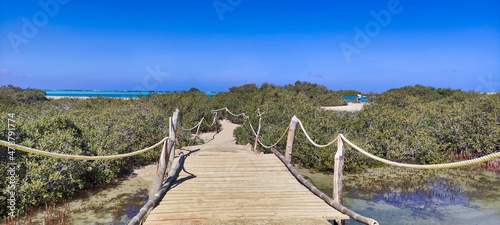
(173, 137)
(322, 195)
(199, 125)
(338, 170)
(175, 123)
(290, 138)
(257, 137)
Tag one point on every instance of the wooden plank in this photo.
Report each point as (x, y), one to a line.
(290, 138)
(165, 216)
(228, 186)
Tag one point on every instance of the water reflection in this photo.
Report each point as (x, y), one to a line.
(406, 196)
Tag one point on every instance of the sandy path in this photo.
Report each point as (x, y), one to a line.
(222, 142)
(351, 107)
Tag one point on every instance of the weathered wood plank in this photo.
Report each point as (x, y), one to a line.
(228, 186)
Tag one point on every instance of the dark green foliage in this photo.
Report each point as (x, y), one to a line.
(418, 124)
(403, 96)
(10, 96)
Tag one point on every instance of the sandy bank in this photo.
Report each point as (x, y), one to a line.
(59, 97)
(351, 107)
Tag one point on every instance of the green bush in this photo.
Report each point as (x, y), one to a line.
(417, 124)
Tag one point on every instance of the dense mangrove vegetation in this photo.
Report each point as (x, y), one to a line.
(412, 124)
(416, 124)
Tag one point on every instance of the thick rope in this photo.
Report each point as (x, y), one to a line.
(213, 121)
(263, 145)
(309, 138)
(79, 157)
(199, 123)
(195, 126)
(433, 166)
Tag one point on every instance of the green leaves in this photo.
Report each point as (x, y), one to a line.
(418, 124)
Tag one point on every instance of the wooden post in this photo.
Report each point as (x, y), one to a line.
(257, 137)
(175, 122)
(175, 117)
(216, 127)
(337, 170)
(290, 138)
(173, 137)
(161, 168)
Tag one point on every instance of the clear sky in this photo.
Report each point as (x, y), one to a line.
(212, 45)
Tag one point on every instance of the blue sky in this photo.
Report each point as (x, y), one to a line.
(214, 45)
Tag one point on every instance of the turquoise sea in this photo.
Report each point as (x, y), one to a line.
(113, 94)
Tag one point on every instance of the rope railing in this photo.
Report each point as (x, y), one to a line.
(430, 166)
(78, 157)
(192, 128)
(309, 138)
(271, 146)
(227, 110)
(388, 162)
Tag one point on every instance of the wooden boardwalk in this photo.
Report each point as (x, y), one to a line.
(242, 188)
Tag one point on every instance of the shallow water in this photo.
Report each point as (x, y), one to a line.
(407, 196)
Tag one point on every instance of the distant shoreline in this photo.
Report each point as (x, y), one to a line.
(350, 107)
(108, 94)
